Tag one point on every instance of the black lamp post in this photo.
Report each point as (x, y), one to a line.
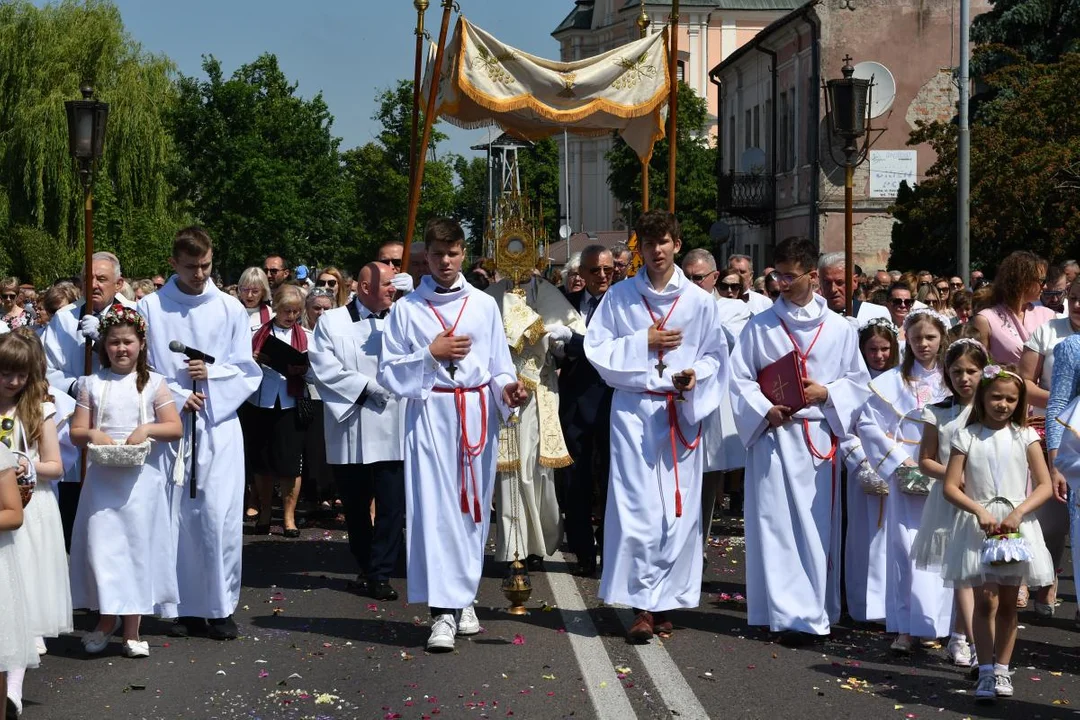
(87, 119)
(847, 103)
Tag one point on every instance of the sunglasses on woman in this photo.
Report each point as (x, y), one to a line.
(730, 287)
(326, 283)
(9, 296)
(901, 302)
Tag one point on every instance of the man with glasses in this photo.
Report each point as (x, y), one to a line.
(793, 501)
(1053, 290)
(743, 265)
(391, 253)
(900, 304)
(832, 287)
(158, 281)
(277, 271)
(584, 411)
(620, 257)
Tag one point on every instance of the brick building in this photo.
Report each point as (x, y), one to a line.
(709, 31)
(778, 177)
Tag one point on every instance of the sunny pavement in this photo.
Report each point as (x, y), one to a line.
(310, 649)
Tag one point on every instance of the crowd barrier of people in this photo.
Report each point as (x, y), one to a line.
(910, 469)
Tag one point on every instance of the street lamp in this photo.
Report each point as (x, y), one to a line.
(847, 104)
(87, 119)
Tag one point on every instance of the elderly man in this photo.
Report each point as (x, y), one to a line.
(725, 456)
(276, 269)
(620, 257)
(585, 410)
(834, 289)
(743, 265)
(1072, 269)
(364, 428)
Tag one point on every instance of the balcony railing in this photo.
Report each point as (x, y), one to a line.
(749, 196)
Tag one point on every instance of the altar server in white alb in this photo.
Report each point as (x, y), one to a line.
(793, 472)
(208, 528)
(444, 351)
(657, 340)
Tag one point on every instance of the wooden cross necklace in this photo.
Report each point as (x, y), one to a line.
(451, 368)
(660, 366)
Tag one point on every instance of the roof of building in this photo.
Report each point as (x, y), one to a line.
(724, 4)
(580, 18)
(768, 30)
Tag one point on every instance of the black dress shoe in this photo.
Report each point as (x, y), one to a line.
(359, 585)
(291, 533)
(261, 529)
(223, 629)
(381, 590)
(586, 569)
(535, 563)
(187, 626)
(794, 638)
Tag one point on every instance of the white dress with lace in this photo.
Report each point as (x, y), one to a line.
(16, 639)
(123, 560)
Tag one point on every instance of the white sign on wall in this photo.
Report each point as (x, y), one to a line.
(888, 168)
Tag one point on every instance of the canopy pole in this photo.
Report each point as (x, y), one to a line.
(673, 103)
(643, 30)
(421, 152)
(421, 8)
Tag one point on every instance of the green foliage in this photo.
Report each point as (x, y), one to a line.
(1025, 174)
(1042, 31)
(695, 181)
(258, 167)
(46, 53)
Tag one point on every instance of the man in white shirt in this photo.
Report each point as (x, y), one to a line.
(743, 265)
(363, 427)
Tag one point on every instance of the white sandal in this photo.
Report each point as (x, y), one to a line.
(136, 649)
(97, 641)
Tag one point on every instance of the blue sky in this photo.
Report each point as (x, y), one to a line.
(348, 49)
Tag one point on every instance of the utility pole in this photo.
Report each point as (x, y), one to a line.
(963, 153)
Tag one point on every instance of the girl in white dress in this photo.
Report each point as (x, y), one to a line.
(17, 650)
(27, 425)
(917, 604)
(122, 559)
(867, 494)
(964, 362)
(996, 542)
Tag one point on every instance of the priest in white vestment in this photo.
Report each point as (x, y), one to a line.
(650, 332)
(537, 319)
(792, 508)
(208, 529)
(445, 353)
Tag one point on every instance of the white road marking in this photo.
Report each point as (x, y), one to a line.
(666, 676)
(606, 691)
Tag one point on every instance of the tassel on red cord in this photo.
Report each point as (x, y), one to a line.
(477, 517)
(464, 501)
(678, 502)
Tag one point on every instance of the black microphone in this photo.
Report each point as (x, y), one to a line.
(192, 354)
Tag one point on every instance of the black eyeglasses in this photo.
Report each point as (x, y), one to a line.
(326, 283)
(619, 265)
(396, 262)
(273, 271)
(943, 288)
(159, 285)
(9, 296)
(699, 278)
(901, 302)
(602, 270)
(788, 278)
(956, 285)
(729, 287)
(1053, 293)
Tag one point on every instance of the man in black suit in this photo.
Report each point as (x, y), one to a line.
(584, 409)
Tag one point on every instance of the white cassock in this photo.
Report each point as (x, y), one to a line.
(891, 428)
(720, 439)
(757, 302)
(208, 530)
(792, 504)
(864, 540)
(65, 346)
(451, 431)
(652, 552)
(344, 355)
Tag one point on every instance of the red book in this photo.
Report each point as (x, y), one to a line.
(781, 382)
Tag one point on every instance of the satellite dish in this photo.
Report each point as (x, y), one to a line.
(565, 232)
(720, 231)
(752, 160)
(883, 91)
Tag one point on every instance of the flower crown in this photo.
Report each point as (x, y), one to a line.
(966, 341)
(919, 312)
(120, 315)
(885, 324)
(993, 372)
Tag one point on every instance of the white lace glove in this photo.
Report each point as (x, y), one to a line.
(559, 332)
(403, 282)
(88, 326)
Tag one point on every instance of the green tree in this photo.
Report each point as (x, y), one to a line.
(46, 53)
(259, 166)
(695, 181)
(1042, 31)
(376, 179)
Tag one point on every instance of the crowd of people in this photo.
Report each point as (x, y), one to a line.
(908, 464)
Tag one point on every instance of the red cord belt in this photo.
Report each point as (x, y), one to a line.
(469, 451)
(676, 434)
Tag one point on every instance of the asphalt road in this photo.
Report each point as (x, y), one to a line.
(311, 649)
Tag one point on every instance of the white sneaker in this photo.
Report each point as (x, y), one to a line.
(97, 641)
(1003, 686)
(468, 623)
(984, 690)
(39, 643)
(442, 635)
(136, 649)
(960, 652)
